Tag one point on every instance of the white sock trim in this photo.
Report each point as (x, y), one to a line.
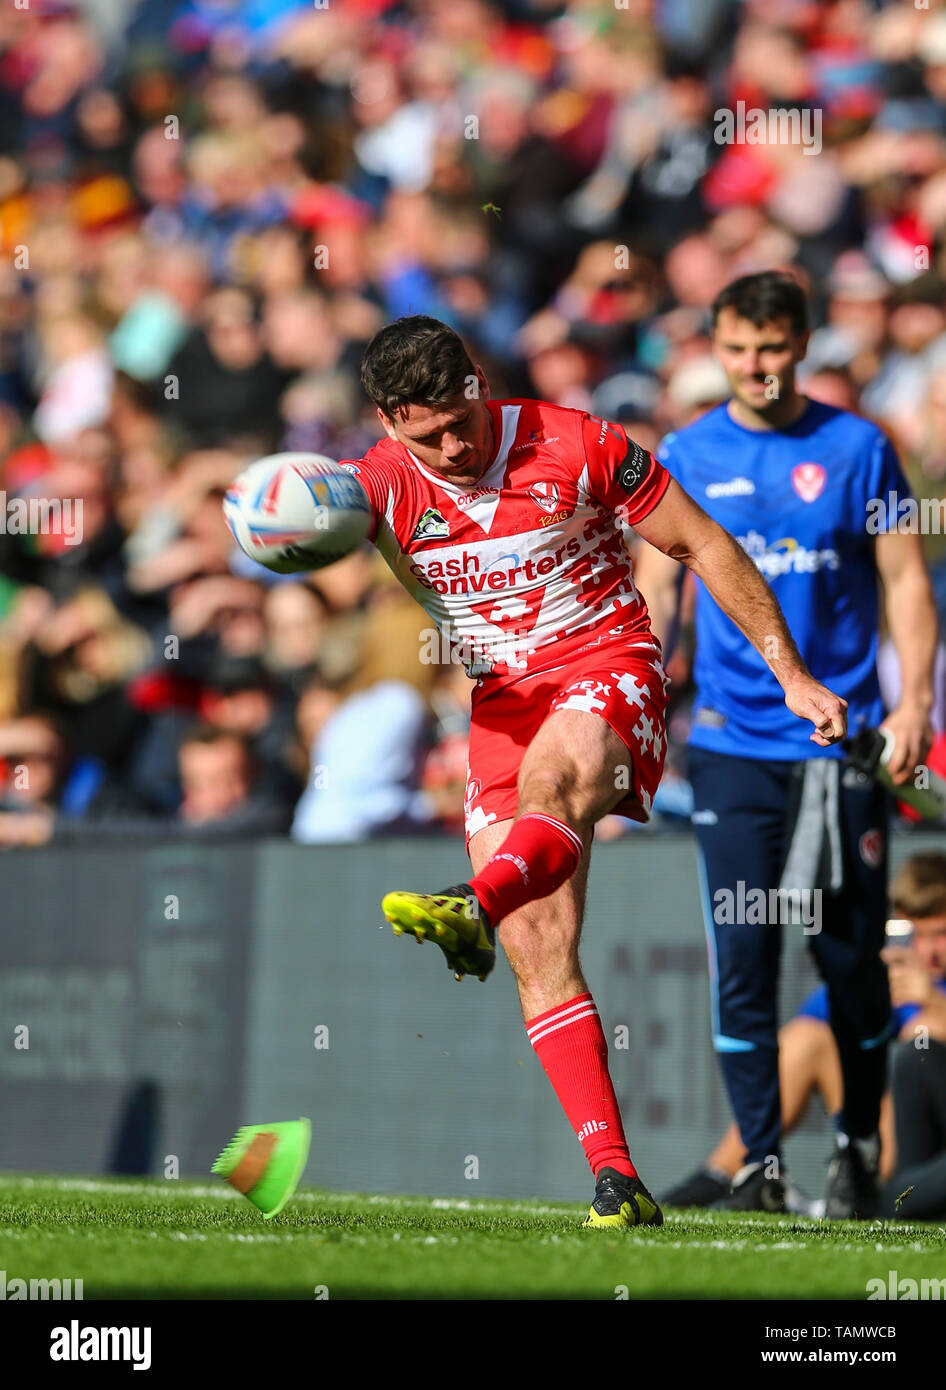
(589, 1012)
(560, 1012)
(566, 830)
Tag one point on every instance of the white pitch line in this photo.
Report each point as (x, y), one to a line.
(181, 1190)
(172, 1187)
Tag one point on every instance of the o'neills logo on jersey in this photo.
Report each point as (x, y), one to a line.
(469, 497)
(466, 574)
(546, 496)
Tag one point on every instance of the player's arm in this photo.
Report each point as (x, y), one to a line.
(629, 479)
(683, 532)
(911, 619)
(659, 579)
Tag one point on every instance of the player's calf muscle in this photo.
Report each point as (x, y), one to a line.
(541, 945)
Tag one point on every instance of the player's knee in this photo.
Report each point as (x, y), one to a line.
(803, 1037)
(551, 781)
(556, 790)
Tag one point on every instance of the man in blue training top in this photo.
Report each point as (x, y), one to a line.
(797, 483)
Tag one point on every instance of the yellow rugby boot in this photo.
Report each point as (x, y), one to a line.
(621, 1202)
(453, 919)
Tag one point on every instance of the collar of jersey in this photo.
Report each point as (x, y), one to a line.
(764, 434)
(495, 470)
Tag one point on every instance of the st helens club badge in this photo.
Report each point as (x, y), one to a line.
(545, 495)
(808, 480)
(871, 846)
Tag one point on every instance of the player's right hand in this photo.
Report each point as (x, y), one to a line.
(808, 699)
(912, 734)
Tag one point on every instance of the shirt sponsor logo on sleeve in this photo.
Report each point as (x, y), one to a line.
(633, 467)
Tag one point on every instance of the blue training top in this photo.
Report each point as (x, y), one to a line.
(803, 503)
(815, 1005)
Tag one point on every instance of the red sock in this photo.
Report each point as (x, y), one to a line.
(570, 1043)
(538, 855)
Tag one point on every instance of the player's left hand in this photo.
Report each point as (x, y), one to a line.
(913, 734)
(808, 699)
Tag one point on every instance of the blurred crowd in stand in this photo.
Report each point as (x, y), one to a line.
(207, 208)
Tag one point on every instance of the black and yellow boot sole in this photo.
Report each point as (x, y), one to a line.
(453, 920)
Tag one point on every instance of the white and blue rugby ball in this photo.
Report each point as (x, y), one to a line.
(293, 512)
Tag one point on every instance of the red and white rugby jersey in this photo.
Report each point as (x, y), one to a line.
(530, 564)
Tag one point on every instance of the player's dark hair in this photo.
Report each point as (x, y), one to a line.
(772, 294)
(919, 887)
(415, 361)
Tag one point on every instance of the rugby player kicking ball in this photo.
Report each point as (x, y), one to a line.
(506, 520)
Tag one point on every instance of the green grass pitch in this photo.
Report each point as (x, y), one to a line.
(151, 1239)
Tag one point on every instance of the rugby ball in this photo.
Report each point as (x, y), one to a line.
(295, 512)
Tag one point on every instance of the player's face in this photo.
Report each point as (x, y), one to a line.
(454, 441)
(929, 942)
(759, 361)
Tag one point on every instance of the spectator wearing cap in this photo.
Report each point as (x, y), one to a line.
(229, 692)
(242, 698)
(695, 387)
